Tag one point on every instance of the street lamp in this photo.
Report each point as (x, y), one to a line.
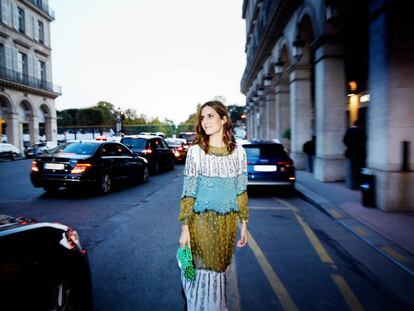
(298, 45)
(331, 12)
(268, 81)
(279, 66)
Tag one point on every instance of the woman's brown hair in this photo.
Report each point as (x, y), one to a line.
(228, 137)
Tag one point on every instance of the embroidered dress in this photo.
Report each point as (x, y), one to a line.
(214, 197)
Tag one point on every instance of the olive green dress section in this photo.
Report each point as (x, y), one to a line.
(213, 235)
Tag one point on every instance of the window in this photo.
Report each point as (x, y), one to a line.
(21, 20)
(22, 65)
(122, 151)
(2, 59)
(42, 73)
(41, 32)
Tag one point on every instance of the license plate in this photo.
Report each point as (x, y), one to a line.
(265, 168)
(54, 166)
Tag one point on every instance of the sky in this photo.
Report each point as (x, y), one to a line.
(159, 57)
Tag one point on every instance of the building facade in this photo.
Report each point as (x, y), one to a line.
(27, 94)
(314, 67)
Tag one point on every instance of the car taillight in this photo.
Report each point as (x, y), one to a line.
(147, 151)
(249, 163)
(80, 168)
(34, 166)
(180, 148)
(285, 163)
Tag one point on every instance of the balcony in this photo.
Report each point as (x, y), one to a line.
(43, 7)
(32, 82)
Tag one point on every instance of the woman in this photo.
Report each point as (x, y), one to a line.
(214, 197)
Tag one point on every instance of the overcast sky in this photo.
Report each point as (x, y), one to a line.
(158, 57)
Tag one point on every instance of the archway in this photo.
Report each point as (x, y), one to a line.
(27, 126)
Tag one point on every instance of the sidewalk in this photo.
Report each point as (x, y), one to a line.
(392, 234)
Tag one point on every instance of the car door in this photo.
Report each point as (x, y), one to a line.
(128, 165)
(161, 150)
(110, 160)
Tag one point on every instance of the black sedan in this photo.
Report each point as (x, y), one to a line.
(179, 148)
(154, 149)
(94, 164)
(42, 267)
(269, 164)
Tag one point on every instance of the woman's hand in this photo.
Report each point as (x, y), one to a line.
(243, 236)
(185, 237)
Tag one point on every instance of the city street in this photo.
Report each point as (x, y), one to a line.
(297, 258)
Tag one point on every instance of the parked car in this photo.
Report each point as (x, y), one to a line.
(9, 151)
(152, 148)
(188, 136)
(269, 164)
(38, 149)
(179, 147)
(91, 163)
(42, 266)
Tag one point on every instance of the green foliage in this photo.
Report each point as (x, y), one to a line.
(235, 113)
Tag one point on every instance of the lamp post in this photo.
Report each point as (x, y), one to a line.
(279, 66)
(118, 122)
(298, 45)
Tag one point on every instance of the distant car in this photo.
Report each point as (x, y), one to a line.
(42, 266)
(161, 134)
(38, 149)
(188, 136)
(9, 151)
(269, 164)
(179, 147)
(90, 163)
(152, 148)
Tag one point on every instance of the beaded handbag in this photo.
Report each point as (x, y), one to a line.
(185, 262)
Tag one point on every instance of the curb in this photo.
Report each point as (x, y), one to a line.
(395, 253)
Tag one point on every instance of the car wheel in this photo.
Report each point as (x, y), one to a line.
(105, 183)
(50, 188)
(145, 175)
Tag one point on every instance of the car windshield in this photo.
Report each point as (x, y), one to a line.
(135, 143)
(270, 150)
(76, 148)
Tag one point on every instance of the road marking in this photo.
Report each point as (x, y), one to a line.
(360, 231)
(393, 253)
(347, 292)
(234, 296)
(277, 285)
(340, 282)
(335, 213)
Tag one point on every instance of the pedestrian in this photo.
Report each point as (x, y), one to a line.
(309, 148)
(355, 140)
(214, 198)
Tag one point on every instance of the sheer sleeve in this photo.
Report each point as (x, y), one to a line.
(189, 187)
(241, 186)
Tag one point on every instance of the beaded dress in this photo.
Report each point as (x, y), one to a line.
(214, 198)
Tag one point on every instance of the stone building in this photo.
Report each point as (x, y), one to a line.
(316, 66)
(27, 95)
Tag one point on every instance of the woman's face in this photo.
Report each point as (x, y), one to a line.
(211, 121)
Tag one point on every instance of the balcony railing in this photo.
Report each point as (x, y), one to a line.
(18, 77)
(43, 6)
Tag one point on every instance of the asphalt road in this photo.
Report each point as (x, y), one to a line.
(297, 258)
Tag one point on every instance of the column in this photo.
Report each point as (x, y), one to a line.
(13, 130)
(33, 129)
(330, 108)
(262, 118)
(282, 98)
(271, 114)
(390, 112)
(300, 113)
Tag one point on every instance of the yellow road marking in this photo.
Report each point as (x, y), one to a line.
(347, 292)
(360, 231)
(340, 282)
(277, 285)
(393, 253)
(234, 296)
(335, 213)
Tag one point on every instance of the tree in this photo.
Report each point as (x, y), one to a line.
(67, 117)
(235, 113)
(108, 112)
(91, 116)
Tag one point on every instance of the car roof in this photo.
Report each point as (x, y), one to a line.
(87, 141)
(142, 136)
(261, 142)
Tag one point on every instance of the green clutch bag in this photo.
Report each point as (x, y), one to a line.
(185, 262)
